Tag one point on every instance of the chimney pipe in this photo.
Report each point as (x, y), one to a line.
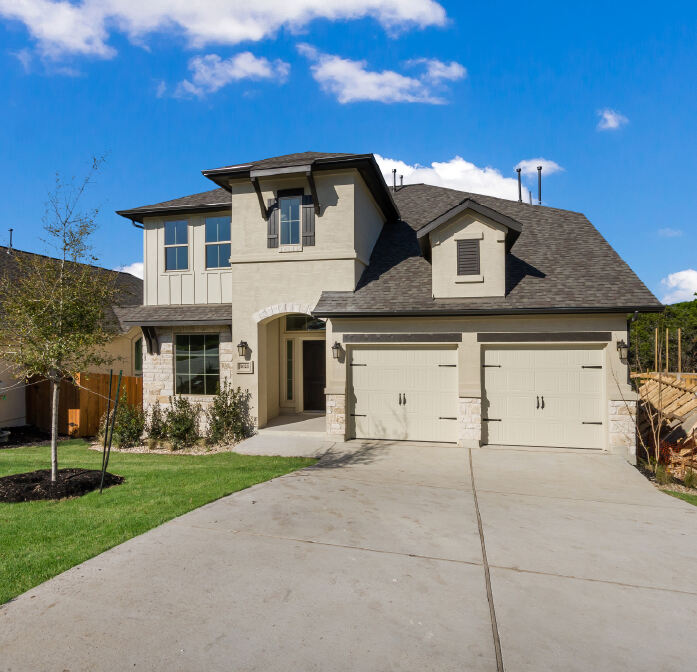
(401, 181)
(9, 249)
(539, 185)
(394, 179)
(530, 196)
(520, 188)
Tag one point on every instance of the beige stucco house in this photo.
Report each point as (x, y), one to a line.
(125, 349)
(407, 313)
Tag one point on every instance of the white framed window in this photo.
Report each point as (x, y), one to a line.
(218, 244)
(290, 212)
(177, 245)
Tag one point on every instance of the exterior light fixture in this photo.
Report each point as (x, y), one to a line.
(336, 350)
(242, 348)
(623, 350)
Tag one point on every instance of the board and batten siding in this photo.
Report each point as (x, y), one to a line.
(197, 284)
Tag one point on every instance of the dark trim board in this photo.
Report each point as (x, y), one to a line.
(169, 322)
(403, 338)
(547, 337)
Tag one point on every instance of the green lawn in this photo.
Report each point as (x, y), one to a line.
(41, 539)
(690, 499)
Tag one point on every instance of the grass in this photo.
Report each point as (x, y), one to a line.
(690, 499)
(41, 539)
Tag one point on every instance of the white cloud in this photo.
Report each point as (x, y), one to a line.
(681, 286)
(454, 174)
(437, 71)
(611, 120)
(528, 167)
(84, 27)
(669, 233)
(351, 81)
(136, 268)
(210, 72)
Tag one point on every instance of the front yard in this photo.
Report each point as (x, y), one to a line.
(41, 539)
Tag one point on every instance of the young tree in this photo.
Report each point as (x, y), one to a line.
(53, 309)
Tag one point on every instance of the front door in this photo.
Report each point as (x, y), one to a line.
(314, 375)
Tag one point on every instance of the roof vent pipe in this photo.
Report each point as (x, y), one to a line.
(539, 185)
(530, 196)
(394, 179)
(520, 188)
(9, 249)
(401, 181)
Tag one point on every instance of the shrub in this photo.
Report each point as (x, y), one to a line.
(228, 417)
(157, 427)
(128, 427)
(690, 478)
(182, 420)
(662, 474)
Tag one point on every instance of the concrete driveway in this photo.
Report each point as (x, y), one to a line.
(375, 561)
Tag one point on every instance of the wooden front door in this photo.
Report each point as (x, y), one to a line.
(314, 375)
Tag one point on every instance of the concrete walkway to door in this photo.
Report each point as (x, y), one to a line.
(373, 560)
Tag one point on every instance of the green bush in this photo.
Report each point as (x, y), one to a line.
(690, 478)
(128, 427)
(157, 426)
(662, 474)
(228, 417)
(182, 422)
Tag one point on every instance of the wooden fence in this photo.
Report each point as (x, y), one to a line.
(80, 408)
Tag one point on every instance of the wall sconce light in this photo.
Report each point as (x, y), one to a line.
(242, 348)
(623, 350)
(336, 350)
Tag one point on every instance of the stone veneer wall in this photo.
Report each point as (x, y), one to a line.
(336, 415)
(469, 420)
(158, 370)
(622, 427)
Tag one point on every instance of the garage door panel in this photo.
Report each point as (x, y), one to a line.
(571, 394)
(425, 377)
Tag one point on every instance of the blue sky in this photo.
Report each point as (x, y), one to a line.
(458, 93)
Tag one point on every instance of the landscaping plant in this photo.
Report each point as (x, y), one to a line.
(228, 417)
(53, 324)
(182, 422)
(129, 424)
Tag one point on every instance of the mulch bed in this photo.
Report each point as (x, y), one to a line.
(25, 436)
(37, 485)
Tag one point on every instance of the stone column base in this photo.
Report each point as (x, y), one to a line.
(336, 416)
(622, 428)
(469, 422)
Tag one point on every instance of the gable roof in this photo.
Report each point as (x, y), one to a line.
(560, 263)
(130, 288)
(215, 199)
(285, 161)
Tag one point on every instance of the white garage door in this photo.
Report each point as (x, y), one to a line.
(403, 392)
(544, 396)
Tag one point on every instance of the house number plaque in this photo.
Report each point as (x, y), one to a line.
(245, 367)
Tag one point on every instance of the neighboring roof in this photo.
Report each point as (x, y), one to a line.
(560, 263)
(314, 161)
(180, 315)
(130, 288)
(215, 199)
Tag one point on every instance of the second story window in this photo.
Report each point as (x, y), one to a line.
(176, 245)
(290, 219)
(218, 242)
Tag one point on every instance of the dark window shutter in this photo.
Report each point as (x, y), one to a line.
(272, 224)
(468, 257)
(308, 220)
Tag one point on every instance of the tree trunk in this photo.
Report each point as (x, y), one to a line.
(54, 430)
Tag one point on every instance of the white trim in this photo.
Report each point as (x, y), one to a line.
(281, 309)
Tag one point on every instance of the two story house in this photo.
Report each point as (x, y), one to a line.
(408, 313)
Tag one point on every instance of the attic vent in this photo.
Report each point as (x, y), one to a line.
(468, 257)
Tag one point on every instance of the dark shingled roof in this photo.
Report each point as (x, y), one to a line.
(188, 315)
(130, 288)
(205, 200)
(560, 263)
(288, 160)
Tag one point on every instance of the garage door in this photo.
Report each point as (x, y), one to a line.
(544, 397)
(403, 392)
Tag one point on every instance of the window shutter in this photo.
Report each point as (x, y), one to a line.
(308, 220)
(468, 257)
(272, 224)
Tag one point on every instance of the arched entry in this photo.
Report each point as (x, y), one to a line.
(292, 361)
